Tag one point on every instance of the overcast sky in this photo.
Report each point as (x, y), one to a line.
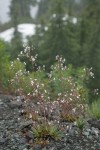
(4, 9)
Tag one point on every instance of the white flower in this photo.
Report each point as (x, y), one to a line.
(57, 57)
(38, 86)
(45, 91)
(18, 59)
(54, 15)
(59, 94)
(32, 58)
(70, 99)
(24, 63)
(36, 91)
(30, 116)
(21, 52)
(74, 109)
(33, 94)
(36, 112)
(91, 74)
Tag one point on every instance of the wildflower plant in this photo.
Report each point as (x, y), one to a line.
(16, 75)
(80, 123)
(45, 132)
(66, 90)
(60, 86)
(29, 57)
(57, 96)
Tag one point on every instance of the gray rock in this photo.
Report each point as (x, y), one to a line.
(25, 149)
(1, 102)
(20, 98)
(94, 123)
(6, 97)
(25, 124)
(30, 135)
(86, 133)
(37, 147)
(12, 139)
(90, 137)
(95, 131)
(3, 140)
(22, 141)
(15, 104)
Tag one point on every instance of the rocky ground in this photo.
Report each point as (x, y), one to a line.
(11, 137)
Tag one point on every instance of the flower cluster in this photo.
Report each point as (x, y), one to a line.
(28, 53)
(61, 95)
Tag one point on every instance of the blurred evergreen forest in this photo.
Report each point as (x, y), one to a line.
(63, 27)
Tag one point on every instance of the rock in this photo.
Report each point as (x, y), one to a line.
(60, 145)
(26, 124)
(69, 141)
(30, 135)
(52, 148)
(25, 149)
(12, 139)
(88, 130)
(37, 147)
(15, 104)
(22, 141)
(94, 123)
(86, 133)
(1, 102)
(3, 140)
(20, 98)
(6, 97)
(90, 137)
(95, 131)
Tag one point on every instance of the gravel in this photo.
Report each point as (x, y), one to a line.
(12, 123)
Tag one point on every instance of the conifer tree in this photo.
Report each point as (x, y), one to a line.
(22, 9)
(19, 13)
(59, 38)
(90, 40)
(94, 53)
(43, 11)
